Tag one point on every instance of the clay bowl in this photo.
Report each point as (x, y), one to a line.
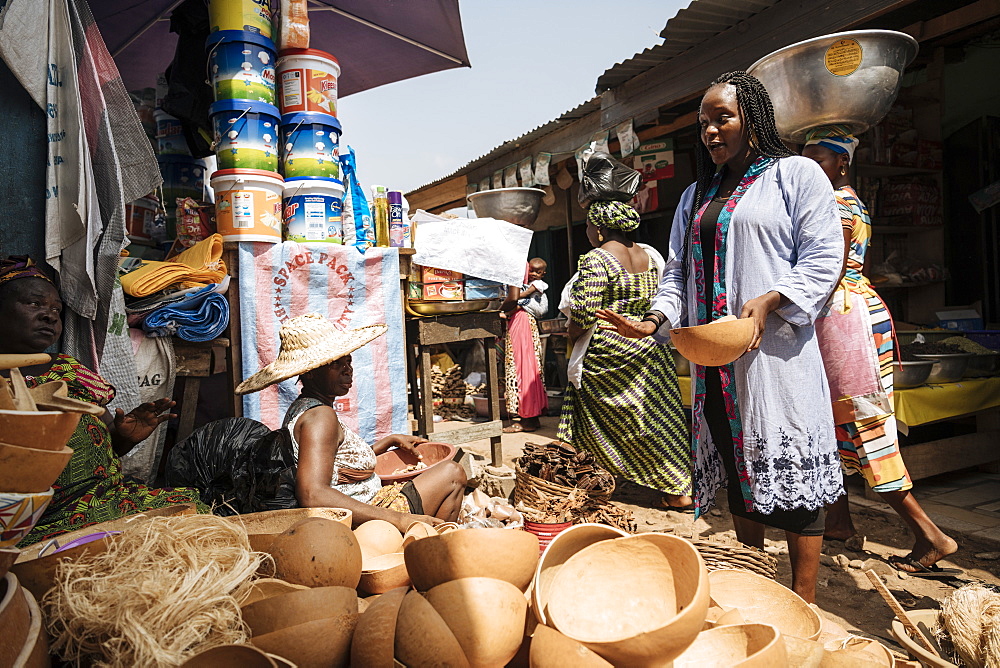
(504, 554)
(486, 615)
(374, 636)
(389, 462)
(8, 556)
(636, 601)
(551, 649)
(268, 587)
(383, 573)
(43, 430)
(231, 656)
(926, 621)
(422, 637)
(376, 538)
(716, 343)
(743, 646)
(764, 601)
(311, 627)
(562, 547)
(15, 619)
(29, 470)
(263, 527)
(19, 513)
(36, 572)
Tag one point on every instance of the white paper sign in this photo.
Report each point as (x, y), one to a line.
(542, 169)
(527, 174)
(627, 137)
(481, 247)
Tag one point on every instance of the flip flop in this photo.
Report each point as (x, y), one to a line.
(933, 571)
(687, 510)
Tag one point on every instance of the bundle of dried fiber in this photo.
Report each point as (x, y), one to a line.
(164, 590)
(971, 616)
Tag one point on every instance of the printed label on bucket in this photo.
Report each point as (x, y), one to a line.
(243, 71)
(304, 89)
(314, 218)
(246, 140)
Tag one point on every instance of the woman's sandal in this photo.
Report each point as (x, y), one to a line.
(517, 428)
(920, 571)
(687, 510)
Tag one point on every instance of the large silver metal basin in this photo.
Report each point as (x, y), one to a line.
(806, 93)
(515, 205)
(947, 368)
(910, 374)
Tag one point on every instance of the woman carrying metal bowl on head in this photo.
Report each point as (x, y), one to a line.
(855, 336)
(757, 236)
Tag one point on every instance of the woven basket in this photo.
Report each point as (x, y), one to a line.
(719, 556)
(533, 491)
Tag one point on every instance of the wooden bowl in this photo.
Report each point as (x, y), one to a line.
(19, 513)
(486, 615)
(742, 646)
(761, 600)
(268, 587)
(43, 430)
(30, 470)
(15, 619)
(8, 555)
(636, 601)
(37, 573)
(389, 462)
(35, 653)
(374, 637)
(562, 547)
(504, 554)
(264, 526)
(422, 637)
(551, 649)
(383, 573)
(231, 656)
(311, 627)
(716, 343)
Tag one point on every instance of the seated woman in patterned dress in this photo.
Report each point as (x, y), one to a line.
(335, 467)
(92, 487)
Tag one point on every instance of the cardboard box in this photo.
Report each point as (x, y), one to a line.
(432, 275)
(960, 319)
(438, 292)
(478, 288)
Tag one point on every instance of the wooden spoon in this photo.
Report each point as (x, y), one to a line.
(22, 397)
(12, 361)
(54, 396)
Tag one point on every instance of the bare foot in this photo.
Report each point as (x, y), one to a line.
(929, 553)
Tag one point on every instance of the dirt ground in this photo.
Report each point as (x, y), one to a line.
(844, 593)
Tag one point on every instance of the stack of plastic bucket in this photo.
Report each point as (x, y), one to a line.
(245, 121)
(310, 141)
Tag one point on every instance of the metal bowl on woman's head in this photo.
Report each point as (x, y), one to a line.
(847, 78)
(515, 205)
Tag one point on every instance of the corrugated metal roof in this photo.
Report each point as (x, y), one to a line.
(699, 22)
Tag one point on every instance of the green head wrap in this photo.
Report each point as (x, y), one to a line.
(613, 216)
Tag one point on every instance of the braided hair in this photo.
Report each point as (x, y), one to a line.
(757, 116)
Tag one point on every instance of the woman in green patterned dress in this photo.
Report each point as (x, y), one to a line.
(631, 420)
(92, 487)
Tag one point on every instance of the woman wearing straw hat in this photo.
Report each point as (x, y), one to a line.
(335, 467)
(855, 337)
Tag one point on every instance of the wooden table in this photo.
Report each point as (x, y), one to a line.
(421, 334)
(195, 361)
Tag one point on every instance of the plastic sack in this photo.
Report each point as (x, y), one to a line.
(606, 179)
(238, 465)
(359, 230)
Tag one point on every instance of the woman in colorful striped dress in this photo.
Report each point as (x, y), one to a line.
(855, 335)
(632, 421)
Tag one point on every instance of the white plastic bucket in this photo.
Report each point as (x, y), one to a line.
(170, 138)
(248, 204)
(313, 210)
(307, 81)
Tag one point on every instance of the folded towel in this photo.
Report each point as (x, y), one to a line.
(201, 316)
(199, 265)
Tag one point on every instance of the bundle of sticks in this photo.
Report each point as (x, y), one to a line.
(448, 390)
(561, 464)
(578, 508)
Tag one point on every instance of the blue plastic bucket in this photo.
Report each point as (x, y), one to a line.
(246, 134)
(170, 138)
(241, 66)
(183, 176)
(310, 145)
(313, 210)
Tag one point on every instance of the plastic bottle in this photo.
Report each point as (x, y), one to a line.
(399, 227)
(380, 212)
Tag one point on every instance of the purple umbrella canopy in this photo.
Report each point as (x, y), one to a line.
(376, 41)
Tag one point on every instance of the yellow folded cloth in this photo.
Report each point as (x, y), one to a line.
(197, 266)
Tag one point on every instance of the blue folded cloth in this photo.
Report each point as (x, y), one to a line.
(200, 316)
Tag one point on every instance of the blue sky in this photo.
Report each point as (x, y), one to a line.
(531, 61)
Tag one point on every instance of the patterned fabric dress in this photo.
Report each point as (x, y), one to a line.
(628, 410)
(866, 427)
(92, 487)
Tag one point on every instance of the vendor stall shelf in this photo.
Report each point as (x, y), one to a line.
(421, 334)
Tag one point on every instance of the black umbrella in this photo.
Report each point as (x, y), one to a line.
(376, 41)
